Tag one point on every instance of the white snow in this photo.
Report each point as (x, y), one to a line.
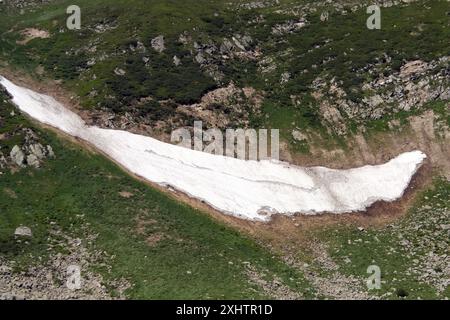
(247, 189)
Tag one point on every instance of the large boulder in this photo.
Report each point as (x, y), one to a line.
(23, 232)
(17, 156)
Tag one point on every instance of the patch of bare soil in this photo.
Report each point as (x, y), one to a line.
(126, 194)
(32, 33)
(142, 223)
(153, 239)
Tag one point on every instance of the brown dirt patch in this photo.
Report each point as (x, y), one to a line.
(126, 194)
(32, 33)
(154, 239)
(142, 223)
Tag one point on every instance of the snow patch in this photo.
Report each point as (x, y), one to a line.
(252, 190)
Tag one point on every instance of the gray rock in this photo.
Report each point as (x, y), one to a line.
(238, 44)
(245, 40)
(200, 58)
(158, 44)
(184, 38)
(50, 151)
(38, 150)
(33, 160)
(17, 156)
(176, 61)
(285, 77)
(324, 16)
(226, 47)
(23, 232)
(299, 136)
(119, 72)
(3, 161)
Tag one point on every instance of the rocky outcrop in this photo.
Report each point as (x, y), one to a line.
(30, 153)
(416, 84)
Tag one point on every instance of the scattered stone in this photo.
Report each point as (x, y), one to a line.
(285, 77)
(50, 151)
(176, 61)
(158, 44)
(3, 161)
(288, 27)
(120, 72)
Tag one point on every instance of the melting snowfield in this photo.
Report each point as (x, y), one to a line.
(247, 189)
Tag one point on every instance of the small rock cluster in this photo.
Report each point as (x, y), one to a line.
(32, 153)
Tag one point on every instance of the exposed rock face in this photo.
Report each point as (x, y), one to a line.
(416, 84)
(158, 44)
